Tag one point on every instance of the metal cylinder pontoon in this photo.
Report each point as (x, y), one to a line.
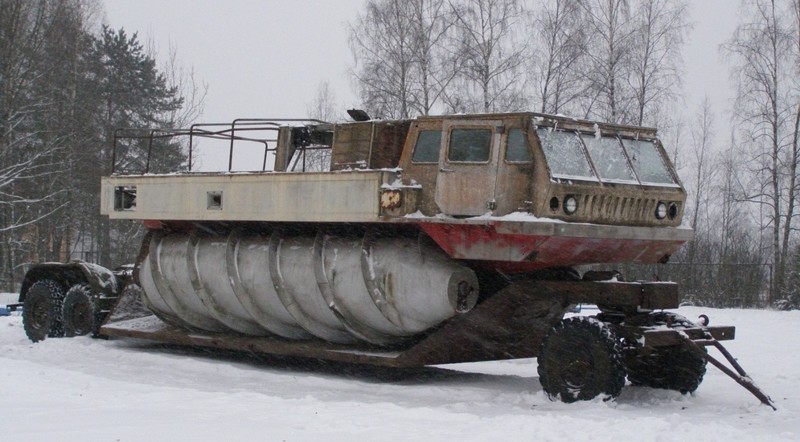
(341, 289)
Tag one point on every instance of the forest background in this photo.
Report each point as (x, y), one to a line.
(67, 83)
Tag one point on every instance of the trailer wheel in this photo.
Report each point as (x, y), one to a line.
(78, 311)
(41, 312)
(581, 359)
(672, 368)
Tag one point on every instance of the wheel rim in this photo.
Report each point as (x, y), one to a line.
(41, 315)
(577, 374)
(81, 317)
(581, 359)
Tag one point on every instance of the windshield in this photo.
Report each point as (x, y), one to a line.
(564, 154)
(647, 162)
(611, 158)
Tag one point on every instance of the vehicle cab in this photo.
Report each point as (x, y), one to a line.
(551, 167)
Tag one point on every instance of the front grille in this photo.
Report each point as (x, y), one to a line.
(617, 208)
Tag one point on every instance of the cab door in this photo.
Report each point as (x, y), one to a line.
(468, 164)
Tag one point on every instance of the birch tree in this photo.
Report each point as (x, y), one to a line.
(700, 192)
(34, 49)
(558, 54)
(323, 107)
(383, 45)
(491, 54)
(403, 61)
(660, 27)
(764, 64)
(794, 149)
(609, 24)
(437, 64)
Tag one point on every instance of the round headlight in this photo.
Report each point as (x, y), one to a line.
(661, 210)
(570, 205)
(673, 211)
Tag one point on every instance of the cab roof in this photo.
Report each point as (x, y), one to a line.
(551, 120)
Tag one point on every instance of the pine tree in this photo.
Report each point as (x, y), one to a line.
(129, 92)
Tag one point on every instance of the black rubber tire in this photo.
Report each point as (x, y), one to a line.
(671, 368)
(41, 311)
(581, 359)
(79, 312)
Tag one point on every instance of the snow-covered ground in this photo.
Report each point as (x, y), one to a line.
(85, 389)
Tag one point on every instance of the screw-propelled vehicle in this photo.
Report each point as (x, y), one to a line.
(401, 243)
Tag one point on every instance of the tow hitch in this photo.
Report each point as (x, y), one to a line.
(695, 339)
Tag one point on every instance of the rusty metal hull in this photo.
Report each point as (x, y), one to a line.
(513, 243)
(523, 245)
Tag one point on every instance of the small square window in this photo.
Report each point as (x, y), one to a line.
(470, 145)
(427, 148)
(517, 150)
(125, 198)
(214, 200)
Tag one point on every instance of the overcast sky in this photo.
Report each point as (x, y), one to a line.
(265, 58)
(260, 58)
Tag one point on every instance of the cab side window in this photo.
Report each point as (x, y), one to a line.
(517, 150)
(470, 145)
(427, 148)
